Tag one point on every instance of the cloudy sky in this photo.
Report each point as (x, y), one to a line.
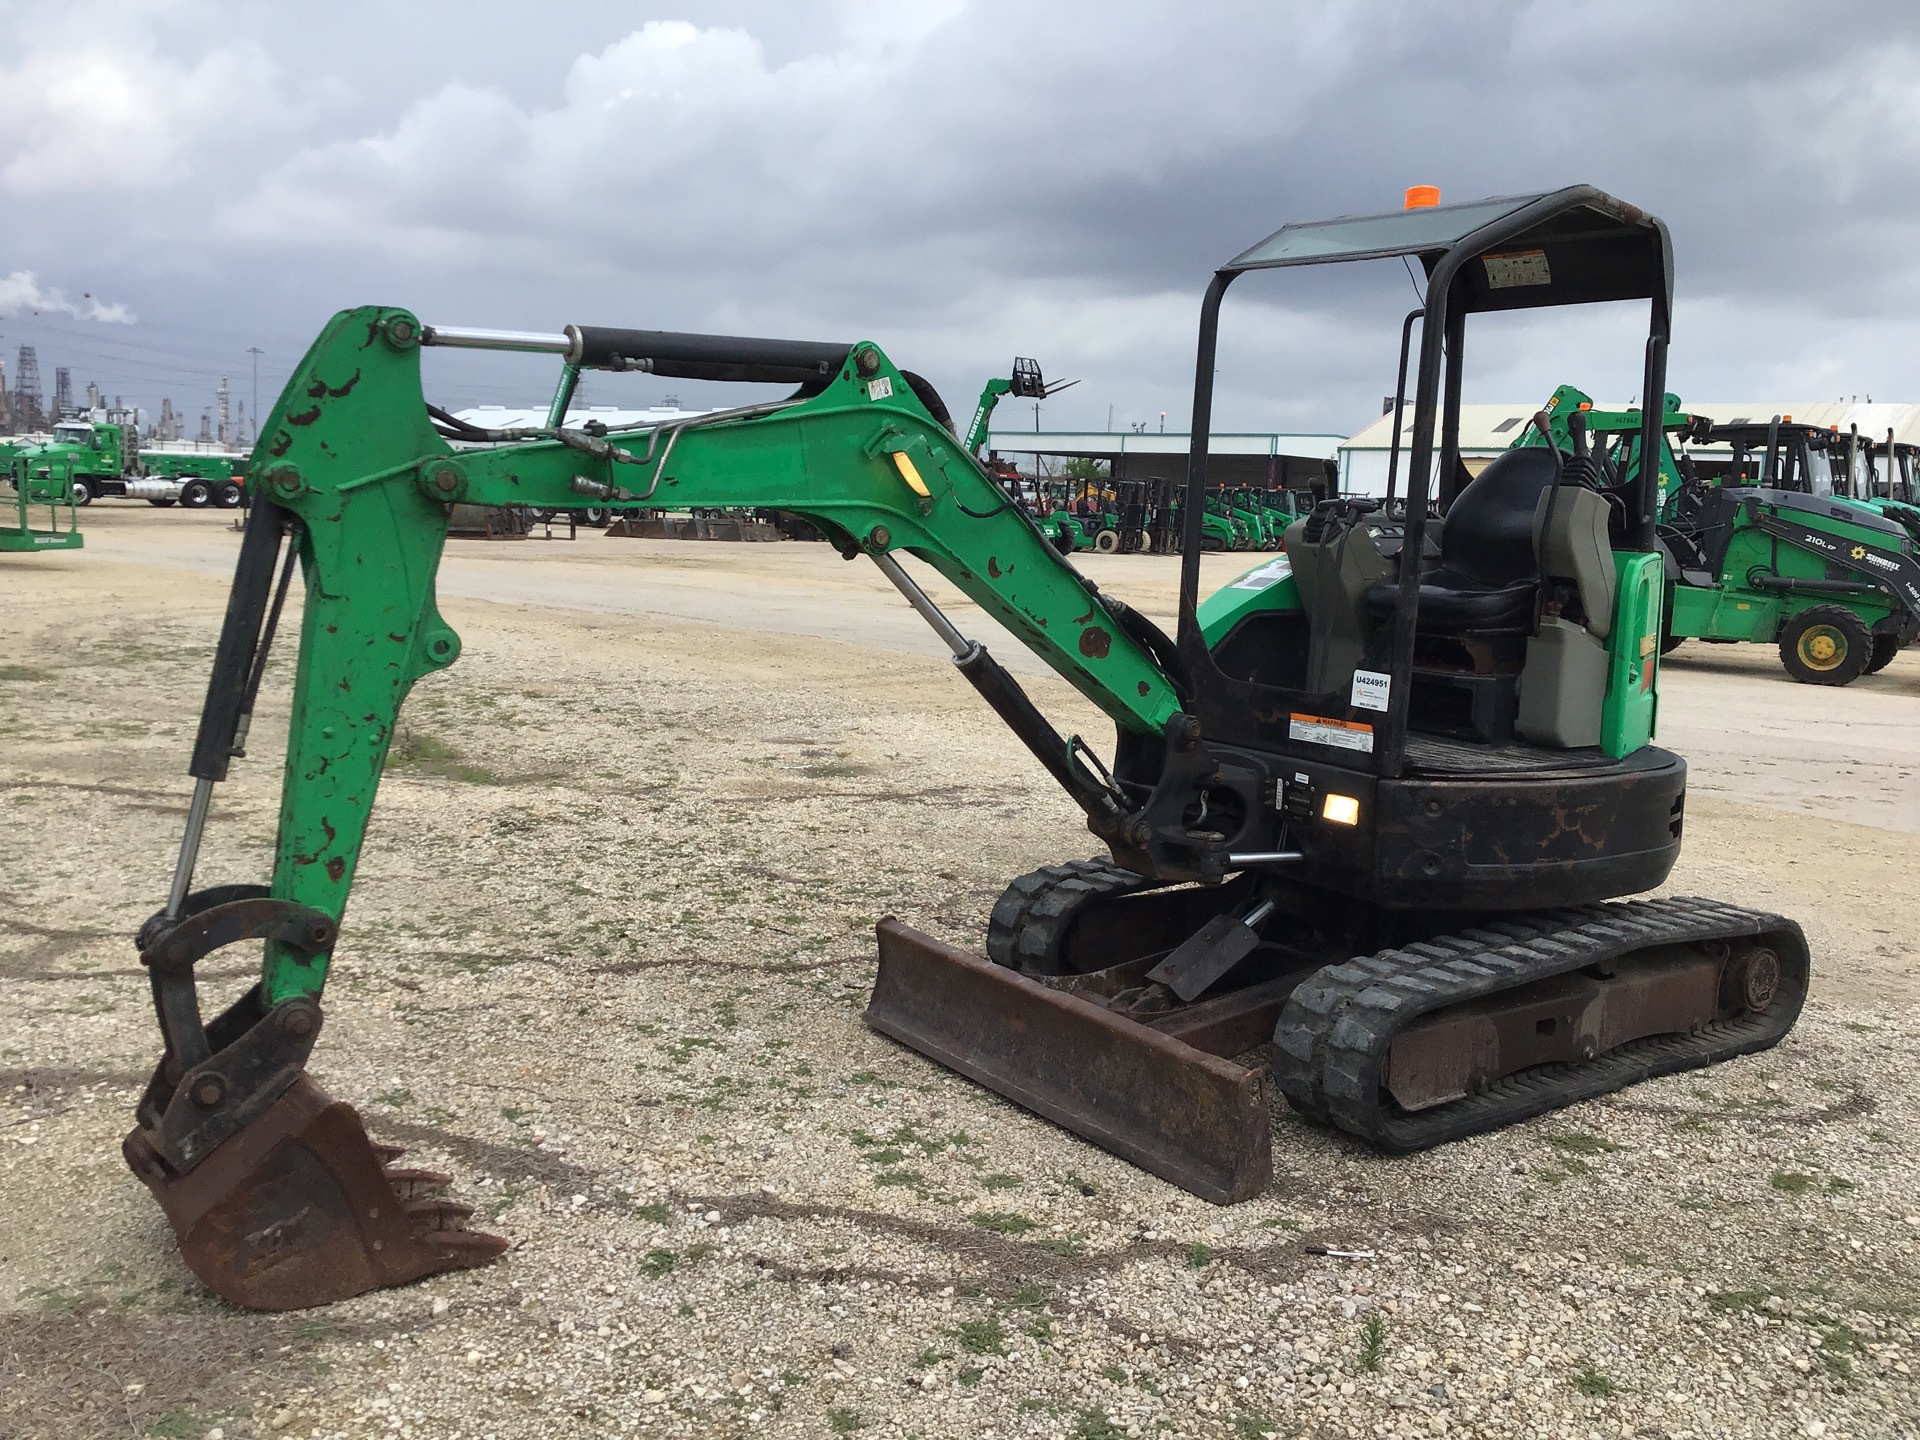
(959, 180)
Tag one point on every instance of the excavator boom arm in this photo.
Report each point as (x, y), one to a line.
(352, 455)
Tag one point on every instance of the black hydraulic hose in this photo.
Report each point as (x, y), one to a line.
(265, 648)
(1577, 426)
(1036, 732)
(233, 659)
(1400, 399)
(704, 357)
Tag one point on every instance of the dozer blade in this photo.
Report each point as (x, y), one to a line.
(299, 1208)
(1189, 1117)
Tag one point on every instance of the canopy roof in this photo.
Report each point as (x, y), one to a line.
(1561, 247)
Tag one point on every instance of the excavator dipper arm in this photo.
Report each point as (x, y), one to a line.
(277, 1196)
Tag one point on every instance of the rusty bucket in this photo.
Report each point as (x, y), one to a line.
(299, 1208)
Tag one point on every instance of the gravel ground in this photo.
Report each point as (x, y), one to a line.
(606, 963)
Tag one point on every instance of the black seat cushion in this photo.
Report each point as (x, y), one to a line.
(1445, 604)
(1488, 574)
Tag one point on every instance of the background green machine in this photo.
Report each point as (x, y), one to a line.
(1767, 552)
(29, 493)
(87, 459)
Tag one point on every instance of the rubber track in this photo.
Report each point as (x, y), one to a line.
(1033, 914)
(1331, 1043)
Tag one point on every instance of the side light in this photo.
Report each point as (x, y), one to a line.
(1341, 809)
(903, 462)
(1422, 197)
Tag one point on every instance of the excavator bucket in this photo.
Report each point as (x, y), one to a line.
(299, 1208)
(1188, 1116)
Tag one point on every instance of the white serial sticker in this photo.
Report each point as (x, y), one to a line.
(881, 389)
(1341, 734)
(1371, 690)
(1519, 267)
(1271, 573)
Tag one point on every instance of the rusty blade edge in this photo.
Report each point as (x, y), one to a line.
(1189, 1117)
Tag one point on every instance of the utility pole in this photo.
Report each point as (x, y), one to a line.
(256, 352)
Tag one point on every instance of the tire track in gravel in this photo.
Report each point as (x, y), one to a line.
(1014, 1263)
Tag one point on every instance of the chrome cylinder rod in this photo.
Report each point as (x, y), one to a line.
(461, 337)
(1254, 859)
(929, 612)
(189, 847)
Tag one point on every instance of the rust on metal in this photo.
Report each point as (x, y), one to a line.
(1458, 1051)
(300, 1208)
(1187, 1116)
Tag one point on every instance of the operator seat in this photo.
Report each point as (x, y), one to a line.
(1488, 578)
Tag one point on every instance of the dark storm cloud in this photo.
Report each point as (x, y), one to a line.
(967, 181)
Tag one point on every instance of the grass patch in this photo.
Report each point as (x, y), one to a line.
(658, 1213)
(1837, 1348)
(1198, 1255)
(1001, 1222)
(1065, 1246)
(179, 1425)
(1000, 1180)
(930, 1357)
(1738, 1302)
(1790, 1182)
(843, 1421)
(424, 755)
(1095, 1424)
(1592, 1384)
(658, 1262)
(912, 1179)
(970, 1376)
(1026, 1297)
(1373, 1343)
(1579, 1142)
(1114, 1374)
(1251, 1426)
(981, 1337)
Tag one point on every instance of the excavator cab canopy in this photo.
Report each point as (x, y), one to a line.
(1574, 246)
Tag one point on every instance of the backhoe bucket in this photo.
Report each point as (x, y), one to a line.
(1192, 1118)
(299, 1208)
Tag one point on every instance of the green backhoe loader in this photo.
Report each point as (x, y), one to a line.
(1768, 550)
(1374, 817)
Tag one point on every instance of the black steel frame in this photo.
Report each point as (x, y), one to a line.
(1442, 347)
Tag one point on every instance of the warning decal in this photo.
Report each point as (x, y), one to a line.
(1518, 267)
(1341, 734)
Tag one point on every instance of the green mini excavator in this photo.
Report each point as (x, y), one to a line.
(1366, 820)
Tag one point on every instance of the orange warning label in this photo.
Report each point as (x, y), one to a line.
(1324, 730)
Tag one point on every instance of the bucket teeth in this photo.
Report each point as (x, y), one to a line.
(417, 1184)
(438, 1214)
(299, 1207)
